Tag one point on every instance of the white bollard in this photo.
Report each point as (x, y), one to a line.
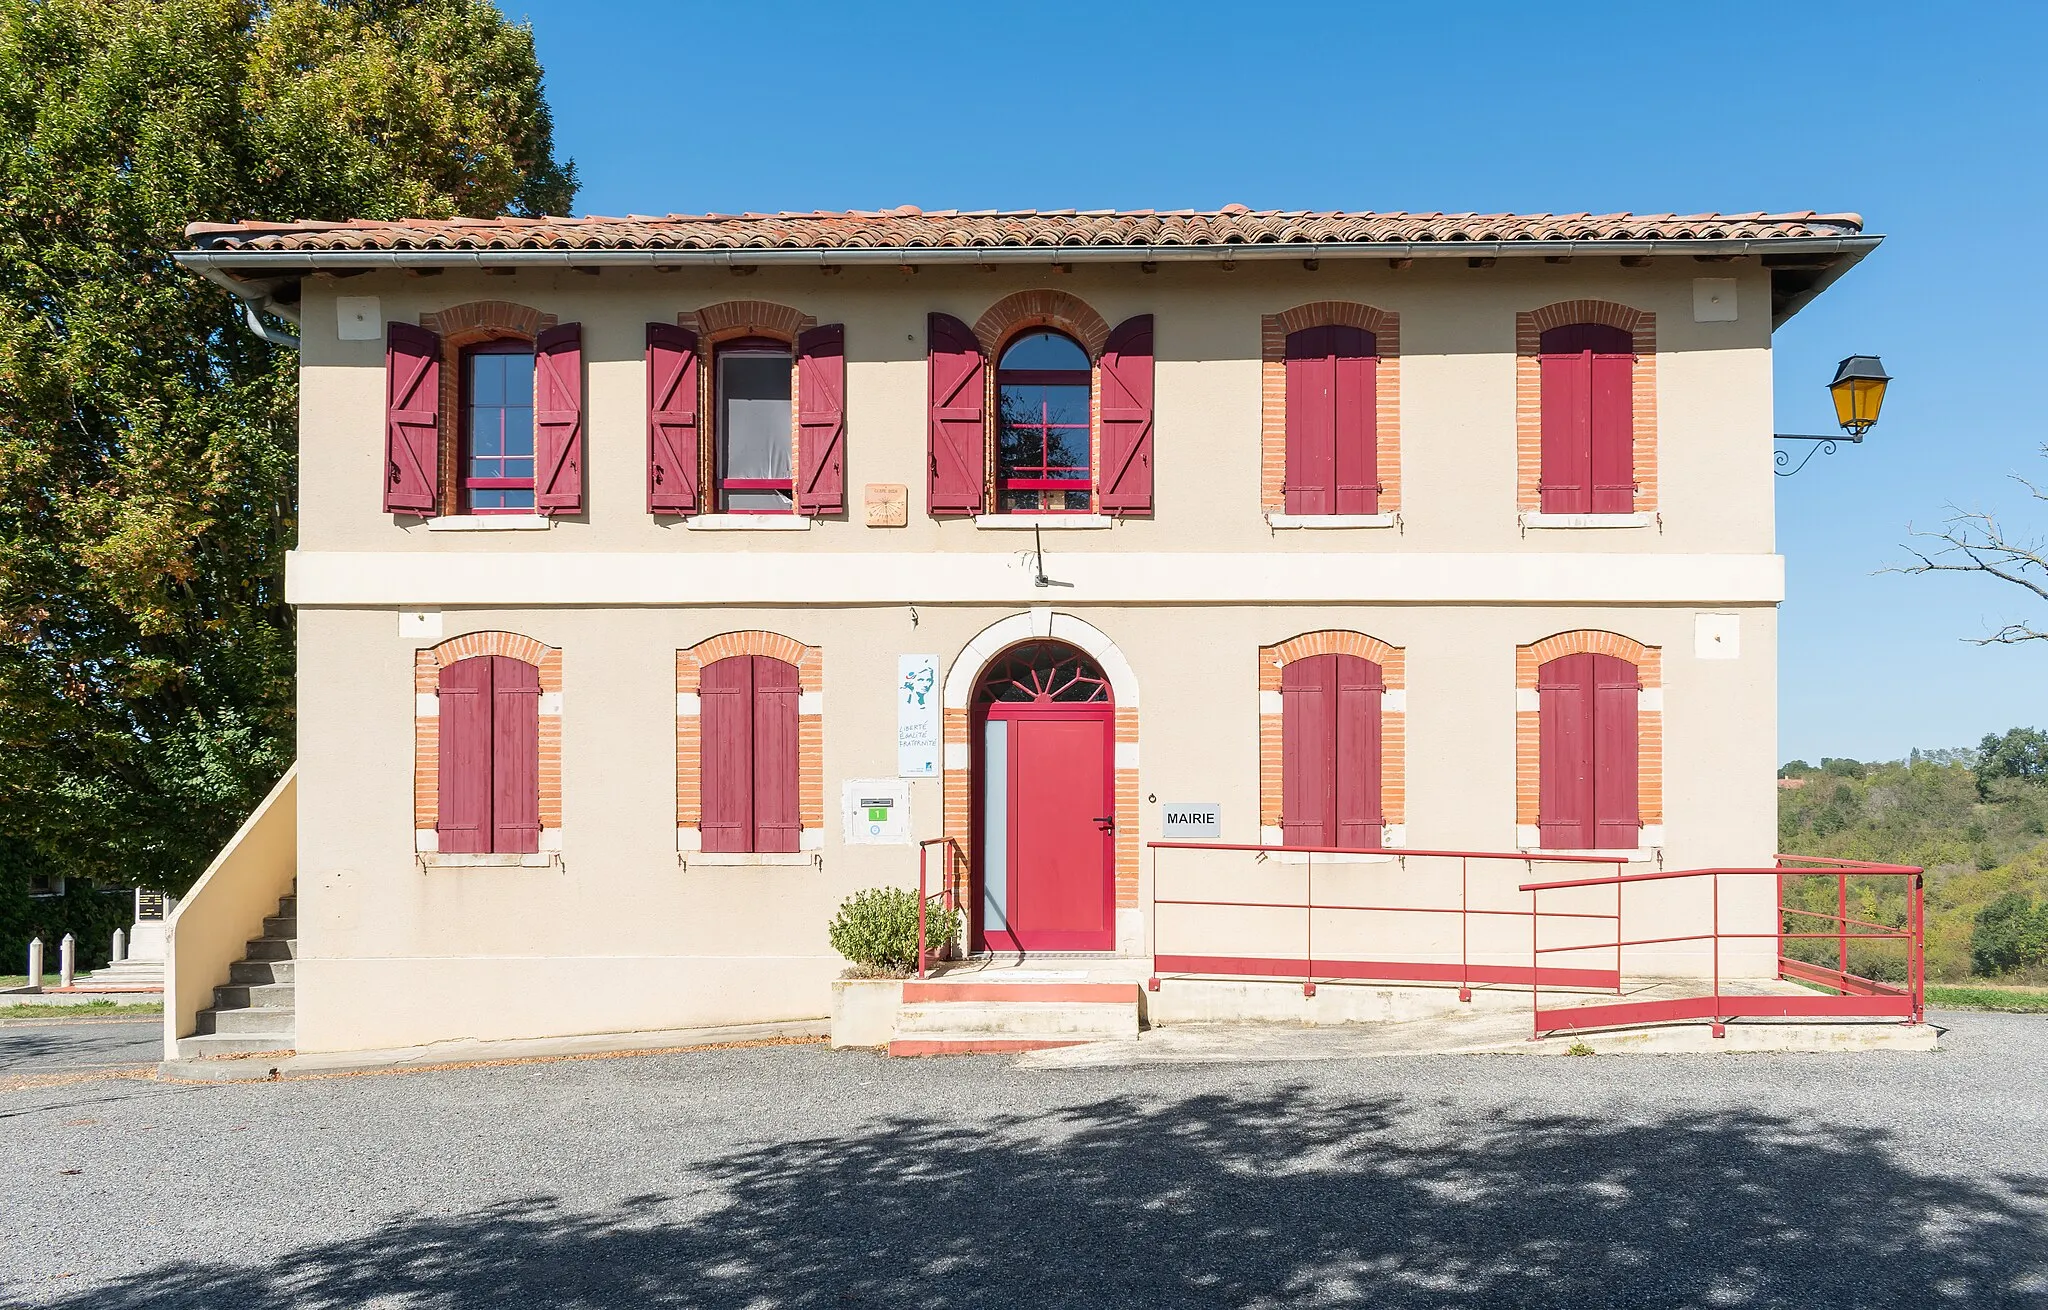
(67, 961)
(35, 963)
(120, 951)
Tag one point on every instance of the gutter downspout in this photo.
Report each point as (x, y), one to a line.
(252, 301)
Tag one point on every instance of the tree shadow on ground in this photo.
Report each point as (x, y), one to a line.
(1256, 1200)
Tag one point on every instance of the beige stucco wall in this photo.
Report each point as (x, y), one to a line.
(620, 936)
(1458, 460)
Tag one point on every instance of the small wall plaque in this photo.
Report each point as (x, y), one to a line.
(888, 505)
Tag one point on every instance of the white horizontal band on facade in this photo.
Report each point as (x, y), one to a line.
(345, 578)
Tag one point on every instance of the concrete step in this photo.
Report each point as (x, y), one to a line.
(281, 925)
(959, 1018)
(239, 996)
(271, 948)
(254, 1019)
(205, 1044)
(261, 971)
(288, 905)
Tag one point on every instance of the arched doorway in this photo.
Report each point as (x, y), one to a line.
(1045, 802)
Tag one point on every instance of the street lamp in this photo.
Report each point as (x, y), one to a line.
(1858, 391)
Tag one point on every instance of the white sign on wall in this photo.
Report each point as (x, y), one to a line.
(917, 716)
(1198, 822)
(877, 811)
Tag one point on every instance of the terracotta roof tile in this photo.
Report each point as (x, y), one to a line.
(910, 227)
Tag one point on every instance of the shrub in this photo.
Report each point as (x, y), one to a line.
(2011, 934)
(876, 928)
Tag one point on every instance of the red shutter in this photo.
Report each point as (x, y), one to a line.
(1613, 435)
(726, 702)
(1580, 451)
(412, 420)
(1308, 752)
(1355, 370)
(958, 450)
(1311, 431)
(464, 706)
(1126, 473)
(821, 420)
(1360, 815)
(1617, 819)
(1564, 689)
(776, 823)
(671, 419)
(515, 756)
(558, 420)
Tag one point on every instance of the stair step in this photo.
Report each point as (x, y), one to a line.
(205, 1044)
(1008, 1021)
(288, 904)
(242, 996)
(254, 1019)
(261, 971)
(912, 1046)
(281, 925)
(271, 948)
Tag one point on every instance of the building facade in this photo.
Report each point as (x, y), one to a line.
(663, 582)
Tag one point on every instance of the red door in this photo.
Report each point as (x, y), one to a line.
(1052, 791)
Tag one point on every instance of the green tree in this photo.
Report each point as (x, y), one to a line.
(2020, 753)
(2011, 934)
(147, 442)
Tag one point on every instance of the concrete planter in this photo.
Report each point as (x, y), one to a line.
(864, 1010)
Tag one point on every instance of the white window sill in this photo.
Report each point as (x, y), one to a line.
(536, 860)
(747, 859)
(1050, 522)
(491, 523)
(1535, 520)
(1642, 855)
(747, 523)
(1279, 520)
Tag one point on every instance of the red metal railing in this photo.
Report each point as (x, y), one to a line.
(924, 895)
(1309, 968)
(1854, 996)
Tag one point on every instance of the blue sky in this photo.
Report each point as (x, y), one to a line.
(1928, 120)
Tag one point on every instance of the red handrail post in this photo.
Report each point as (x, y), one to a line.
(1308, 864)
(1535, 960)
(921, 850)
(1718, 1029)
(1842, 930)
(1464, 928)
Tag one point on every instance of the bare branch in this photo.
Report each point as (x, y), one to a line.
(1974, 541)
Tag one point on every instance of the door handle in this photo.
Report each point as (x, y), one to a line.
(1107, 822)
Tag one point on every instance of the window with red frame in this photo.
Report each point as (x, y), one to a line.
(1588, 439)
(1043, 463)
(497, 428)
(753, 394)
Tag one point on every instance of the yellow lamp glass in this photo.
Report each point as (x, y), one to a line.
(1857, 402)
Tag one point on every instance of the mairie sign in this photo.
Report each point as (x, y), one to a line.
(1203, 822)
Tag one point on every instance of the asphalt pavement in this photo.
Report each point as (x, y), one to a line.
(799, 1176)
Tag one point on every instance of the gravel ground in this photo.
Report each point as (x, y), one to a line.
(794, 1175)
(33, 1047)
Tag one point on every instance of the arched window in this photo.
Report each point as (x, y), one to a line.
(1588, 444)
(489, 757)
(1043, 456)
(1330, 793)
(1588, 755)
(497, 457)
(754, 433)
(749, 755)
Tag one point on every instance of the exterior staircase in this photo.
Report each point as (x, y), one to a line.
(123, 976)
(254, 1011)
(938, 1017)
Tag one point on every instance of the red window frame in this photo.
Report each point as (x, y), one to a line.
(757, 346)
(466, 435)
(1044, 483)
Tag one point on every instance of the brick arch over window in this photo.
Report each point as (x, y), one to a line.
(1393, 662)
(809, 662)
(1530, 325)
(745, 318)
(1649, 663)
(1041, 308)
(1274, 329)
(459, 327)
(427, 664)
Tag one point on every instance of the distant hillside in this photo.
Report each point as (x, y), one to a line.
(1976, 820)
